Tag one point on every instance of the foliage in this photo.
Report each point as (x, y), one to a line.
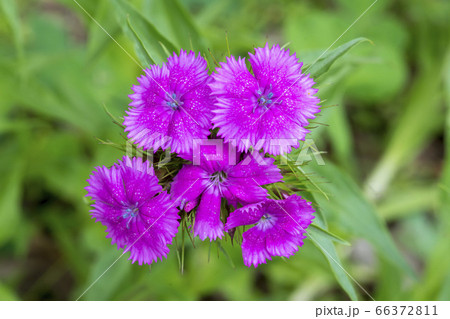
(385, 187)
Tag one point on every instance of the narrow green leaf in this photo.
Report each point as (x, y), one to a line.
(108, 282)
(389, 282)
(228, 44)
(145, 36)
(98, 40)
(165, 49)
(227, 256)
(300, 174)
(446, 173)
(408, 200)
(323, 64)
(404, 142)
(12, 17)
(436, 282)
(355, 215)
(325, 244)
(313, 182)
(10, 212)
(183, 247)
(142, 54)
(114, 118)
(6, 293)
(416, 125)
(444, 294)
(315, 230)
(177, 250)
(183, 26)
(340, 133)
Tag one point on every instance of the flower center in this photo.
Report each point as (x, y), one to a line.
(129, 212)
(218, 178)
(267, 221)
(263, 99)
(173, 101)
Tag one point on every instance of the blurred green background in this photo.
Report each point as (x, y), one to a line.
(385, 130)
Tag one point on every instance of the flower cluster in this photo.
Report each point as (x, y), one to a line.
(226, 127)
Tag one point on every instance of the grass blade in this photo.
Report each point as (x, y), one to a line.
(322, 65)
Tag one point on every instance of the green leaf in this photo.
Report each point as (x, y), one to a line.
(324, 242)
(145, 36)
(380, 76)
(10, 196)
(438, 264)
(12, 17)
(389, 282)
(316, 230)
(445, 179)
(227, 256)
(106, 276)
(142, 54)
(355, 215)
(6, 293)
(183, 26)
(444, 294)
(408, 199)
(300, 176)
(114, 118)
(323, 63)
(404, 142)
(340, 133)
(416, 125)
(98, 40)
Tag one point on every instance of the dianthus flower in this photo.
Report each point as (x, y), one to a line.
(279, 228)
(268, 109)
(137, 214)
(221, 174)
(172, 104)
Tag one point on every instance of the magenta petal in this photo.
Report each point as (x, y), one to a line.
(244, 191)
(154, 230)
(247, 215)
(294, 214)
(276, 67)
(183, 129)
(215, 155)
(259, 171)
(207, 220)
(190, 205)
(148, 126)
(233, 79)
(270, 107)
(139, 180)
(254, 247)
(281, 243)
(197, 101)
(248, 176)
(139, 216)
(280, 227)
(172, 105)
(187, 72)
(105, 186)
(189, 183)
